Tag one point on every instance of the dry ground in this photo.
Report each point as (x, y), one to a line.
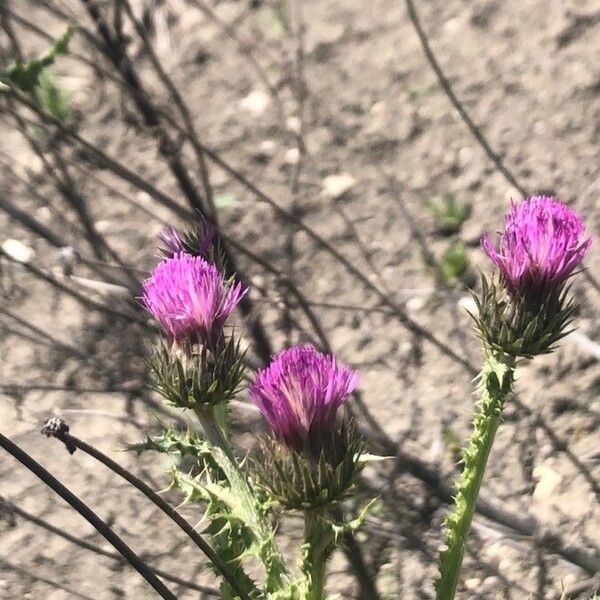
(527, 71)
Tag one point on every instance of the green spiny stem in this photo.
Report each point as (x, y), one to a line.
(318, 545)
(270, 553)
(496, 381)
(209, 421)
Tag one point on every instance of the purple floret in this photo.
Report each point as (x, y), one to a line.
(300, 392)
(542, 244)
(190, 299)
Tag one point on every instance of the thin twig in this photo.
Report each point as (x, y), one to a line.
(132, 558)
(37, 577)
(11, 508)
(56, 427)
(81, 298)
(447, 87)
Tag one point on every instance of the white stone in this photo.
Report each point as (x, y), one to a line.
(378, 117)
(512, 194)
(468, 304)
(291, 156)
(539, 128)
(452, 26)
(18, 251)
(256, 102)
(267, 147)
(416, 303)
(293, 124)
(335, 186)
(549, 481)
(105, 226)
(465, 155)
(43, 213)
(473, 583)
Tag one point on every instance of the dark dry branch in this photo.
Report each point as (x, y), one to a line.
(90, 516)
(181, 105)
(143, 185)
(40, 333)
(300, 91)
(522, 523)
(56, 427)
(81, 298)
(58, 172)
(447, 87)
(97, 266)
(397, 311)
(16, 387)
(30, 223)
(170, 149)
(37, 577)
(10, 509)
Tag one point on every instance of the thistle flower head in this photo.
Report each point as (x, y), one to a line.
(196, 242)
(300, 392)
(190, 299)
(541, 245)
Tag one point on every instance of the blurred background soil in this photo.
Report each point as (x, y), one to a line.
(381, 142)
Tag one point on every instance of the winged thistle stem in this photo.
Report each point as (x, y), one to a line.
(319, 542)
(495, 384)
(524, 315)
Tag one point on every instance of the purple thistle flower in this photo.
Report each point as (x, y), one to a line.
(190, 299)
(540, 247)
(300, 392)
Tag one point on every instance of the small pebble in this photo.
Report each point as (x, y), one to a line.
(335, 186)
(256, 102)
(293, 124)
(549, 481)
(291, 156)
(473, 583)
(416, 304)
(18, 251)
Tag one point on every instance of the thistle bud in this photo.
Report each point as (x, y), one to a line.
(196, 242)
(198, 378)
(530, 309)
(310, 460)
